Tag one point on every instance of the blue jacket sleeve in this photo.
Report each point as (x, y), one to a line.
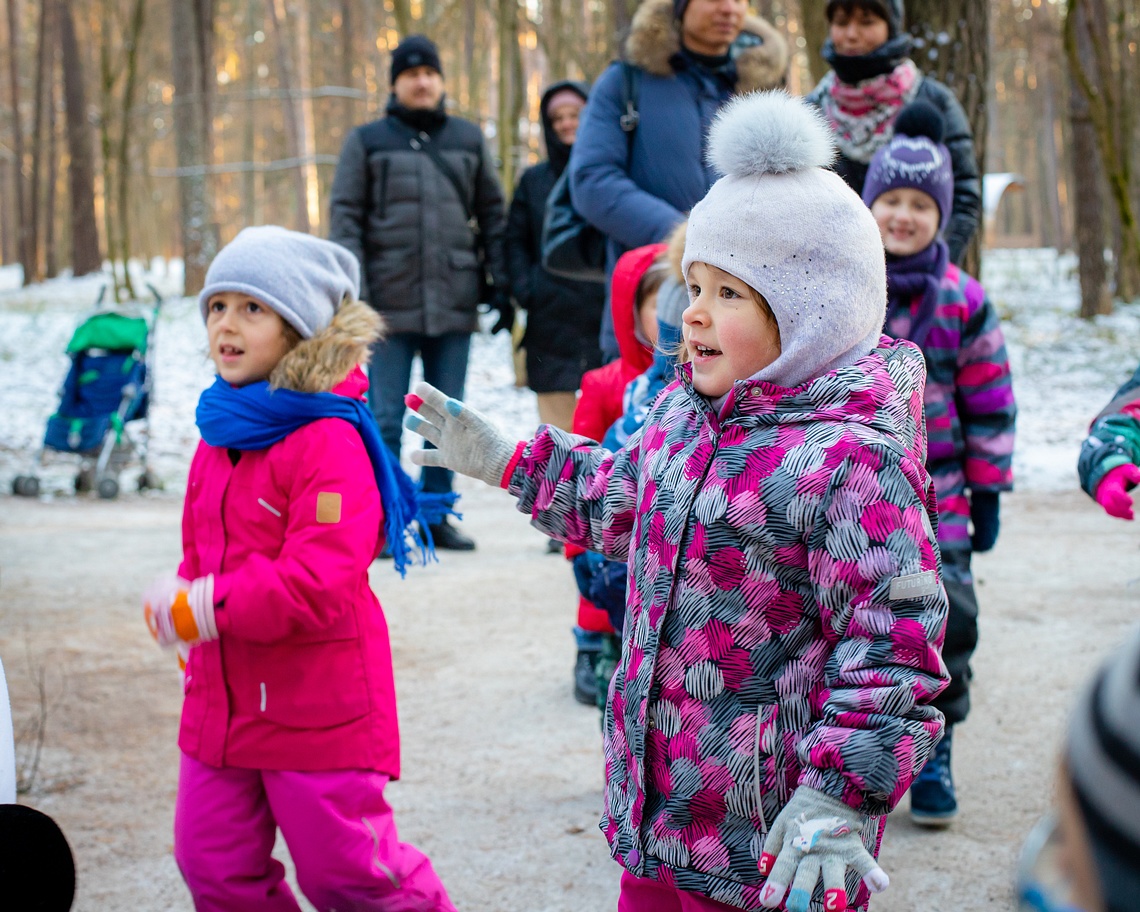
(600, 185)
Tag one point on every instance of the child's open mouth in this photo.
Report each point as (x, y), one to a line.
(229, 352)
(703, 351)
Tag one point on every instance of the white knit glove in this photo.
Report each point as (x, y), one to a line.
(465, 441)
(177, 611)
(816, 833)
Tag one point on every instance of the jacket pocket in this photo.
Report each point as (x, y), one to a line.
(311, 685)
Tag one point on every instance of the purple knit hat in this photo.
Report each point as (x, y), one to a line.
(916, 158)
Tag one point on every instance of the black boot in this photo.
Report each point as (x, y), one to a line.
(585, 678)
(446, 536)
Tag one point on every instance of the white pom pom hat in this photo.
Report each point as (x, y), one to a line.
(794, 231)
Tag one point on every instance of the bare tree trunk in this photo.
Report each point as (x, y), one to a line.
(1087, 21)
(963, 64)
(1088, 202)
(813, 23)
(250, 178)
(306, 140)
(133, 42)
(23, 224)
(621, 12)
(43, 77)
(402, 10)
(291, 109)
(192, 136)
(85, 257)
(51, 249)
(508, 127)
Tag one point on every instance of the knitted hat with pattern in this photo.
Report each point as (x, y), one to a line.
(794, 231)
(1103, 758)
(303, 278)
(915, 158)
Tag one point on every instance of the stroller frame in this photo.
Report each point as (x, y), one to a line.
(99, 467)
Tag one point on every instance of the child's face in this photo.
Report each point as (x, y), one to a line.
(727, 334)
(857, 32)
(247, 338)
(907, 219)
(647, 318)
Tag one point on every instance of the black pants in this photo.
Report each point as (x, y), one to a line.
(961, 635)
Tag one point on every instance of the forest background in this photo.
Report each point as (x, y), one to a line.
(142, 129)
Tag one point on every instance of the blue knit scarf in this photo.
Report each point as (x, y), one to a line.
(254, 417)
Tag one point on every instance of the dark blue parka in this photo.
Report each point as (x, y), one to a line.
(636, 193)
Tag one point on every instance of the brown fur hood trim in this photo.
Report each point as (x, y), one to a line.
(318, 364)
(654, 37)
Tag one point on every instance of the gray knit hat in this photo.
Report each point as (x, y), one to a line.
(794, 231)
(1103, 756)
(303, 278)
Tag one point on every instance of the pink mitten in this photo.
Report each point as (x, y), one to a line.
(1112, 492)
(180, 611)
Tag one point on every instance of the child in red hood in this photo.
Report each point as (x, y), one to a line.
(636, 279)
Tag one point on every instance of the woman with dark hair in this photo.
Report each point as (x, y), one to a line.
(871, 79)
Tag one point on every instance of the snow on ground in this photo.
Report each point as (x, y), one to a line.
(1065, 369)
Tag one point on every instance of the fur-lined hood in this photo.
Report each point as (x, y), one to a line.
(318, 364)
(654, 38)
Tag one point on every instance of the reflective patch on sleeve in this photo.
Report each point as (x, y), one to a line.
(328, 507)
(914, 585)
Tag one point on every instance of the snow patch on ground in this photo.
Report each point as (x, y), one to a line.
(1065, 369)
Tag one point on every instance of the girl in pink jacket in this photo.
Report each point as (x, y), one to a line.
(784, 611)
(289, 719)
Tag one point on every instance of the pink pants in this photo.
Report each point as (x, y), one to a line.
(337, 825)
(638, 894)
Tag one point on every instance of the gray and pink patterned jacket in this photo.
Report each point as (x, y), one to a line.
(785, 613)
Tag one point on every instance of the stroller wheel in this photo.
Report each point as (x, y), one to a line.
(26, 486)
(84, 481)
(148, 481)
(108, 488)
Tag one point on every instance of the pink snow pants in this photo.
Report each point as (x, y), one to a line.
(639, 894)
(337, 825)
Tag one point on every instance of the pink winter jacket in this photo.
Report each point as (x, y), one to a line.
(785, 613)
(300, 677)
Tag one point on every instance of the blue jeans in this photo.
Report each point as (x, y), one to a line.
(389, 373)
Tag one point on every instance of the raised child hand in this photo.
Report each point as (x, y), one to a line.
(1112, 492)
(815, 834)
(465, 441)
(178, 611)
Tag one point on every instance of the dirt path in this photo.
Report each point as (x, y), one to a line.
(502, 770)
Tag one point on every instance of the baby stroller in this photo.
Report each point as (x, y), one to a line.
(107, 389)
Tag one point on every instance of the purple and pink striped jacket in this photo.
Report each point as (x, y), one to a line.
(785, 611)
(970, 410)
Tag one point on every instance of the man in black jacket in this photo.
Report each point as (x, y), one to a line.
(417, 199)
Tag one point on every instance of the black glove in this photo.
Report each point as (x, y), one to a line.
(502, 303)
(984, 516)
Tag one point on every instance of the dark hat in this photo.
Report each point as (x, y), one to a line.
(1102, 751)
(414, 51)
(679, 8)
(915, 158)
(890, 10)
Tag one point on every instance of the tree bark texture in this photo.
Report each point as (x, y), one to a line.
(1088, 195)
(1094, 75)
(191, 126)
(952, 43)
(22, 232)
(85, 256)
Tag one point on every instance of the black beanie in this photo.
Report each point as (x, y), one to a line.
(890, 10)
(414, 51)
(679, 8)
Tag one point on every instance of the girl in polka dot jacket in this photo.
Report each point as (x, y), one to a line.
(785, 610)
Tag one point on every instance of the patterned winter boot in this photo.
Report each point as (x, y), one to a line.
(932, 799)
